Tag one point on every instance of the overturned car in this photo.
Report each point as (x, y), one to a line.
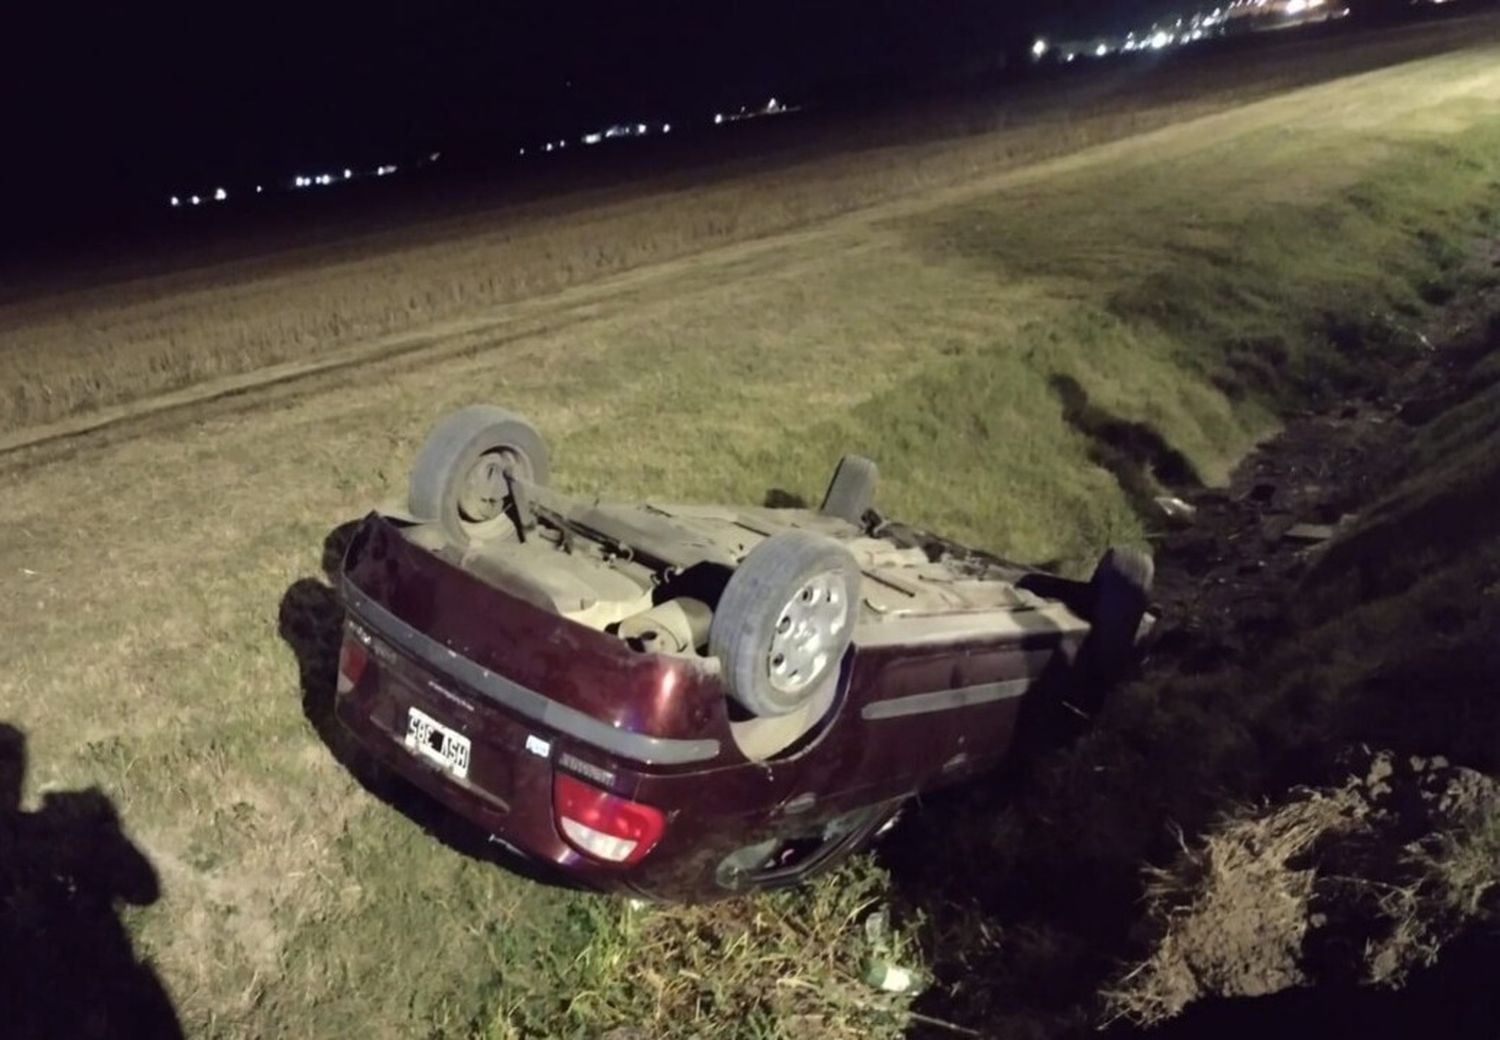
(688, 701)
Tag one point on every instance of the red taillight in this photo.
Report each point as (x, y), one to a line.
(603, 825)
(352, 661)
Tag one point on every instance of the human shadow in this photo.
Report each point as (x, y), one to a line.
(310, 621)
(67, 966)
(1134, 453)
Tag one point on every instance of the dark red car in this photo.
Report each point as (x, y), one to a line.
(689, 701)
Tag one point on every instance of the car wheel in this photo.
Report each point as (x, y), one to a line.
(784, 621)
(458, 480)
(1120, 594)
(852, 490)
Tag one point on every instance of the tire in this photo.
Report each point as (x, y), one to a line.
(445, 485)
(784, 621)
(851, 492)
(1121, 594)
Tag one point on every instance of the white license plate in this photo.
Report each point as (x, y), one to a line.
(428, 737)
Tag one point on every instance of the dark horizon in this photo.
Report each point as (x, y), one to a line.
(115, 111)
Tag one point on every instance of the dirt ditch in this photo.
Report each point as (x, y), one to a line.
(1299, 876)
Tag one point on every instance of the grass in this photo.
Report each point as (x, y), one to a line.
(1183, 280)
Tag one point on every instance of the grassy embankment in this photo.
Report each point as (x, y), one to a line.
(1184, 280)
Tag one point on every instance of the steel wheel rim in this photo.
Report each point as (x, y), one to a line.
(806, 633)
(484, 491)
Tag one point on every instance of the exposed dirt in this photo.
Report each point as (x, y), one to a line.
(1344, 885)
(1341, 885)
(1231, 558)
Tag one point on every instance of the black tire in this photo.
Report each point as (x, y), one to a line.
(851, 492)
(1121, 595)
(757, 618)
(441, 490)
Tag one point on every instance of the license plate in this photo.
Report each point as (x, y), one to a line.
(429, 738)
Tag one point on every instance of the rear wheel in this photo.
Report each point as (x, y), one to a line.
(459, 479)
(784, 621)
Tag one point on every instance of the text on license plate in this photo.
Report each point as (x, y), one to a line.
(428, 737)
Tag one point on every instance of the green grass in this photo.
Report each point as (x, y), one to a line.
(1192, 283)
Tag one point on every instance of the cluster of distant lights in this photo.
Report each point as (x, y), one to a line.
(772, 107)
(621, 131)
(298, 182)
(1184, 30)
(617, 131)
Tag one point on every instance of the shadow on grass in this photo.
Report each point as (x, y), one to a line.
(1134, 453)
(67, 967)
(310, 622)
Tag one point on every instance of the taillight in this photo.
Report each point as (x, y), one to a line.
(353, 658)
(603, 825)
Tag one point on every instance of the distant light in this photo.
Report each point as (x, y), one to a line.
(195, 200)
(1039, 48)
(1101, 50)
(593, 138)
(348, 173)
(666, 128)
(434, 157)
(718, 118)
(549, 146)
(520, 151)
(562, 144)
(1296, 6)
(771, 104)
(220, 194)
(1160, 40)
(1069, 56)
(259, 189)
(176, 201)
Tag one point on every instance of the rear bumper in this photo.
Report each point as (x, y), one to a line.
(508, 791)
